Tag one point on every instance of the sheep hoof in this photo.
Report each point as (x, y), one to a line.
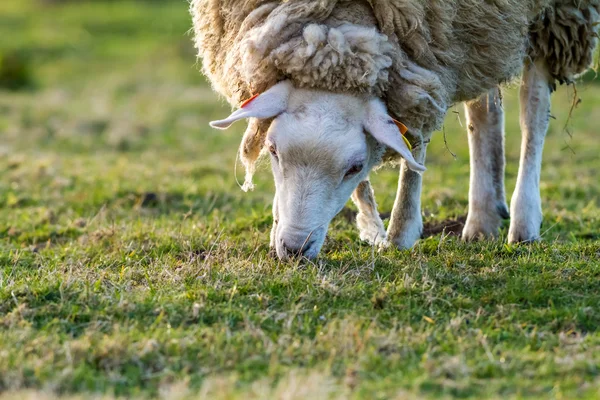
(478, 230)
(272, 252)
(407, 240)
(371, 229)
(383, 245)
(526, 221)
(484, 224)
(374, 238)
(523, 233)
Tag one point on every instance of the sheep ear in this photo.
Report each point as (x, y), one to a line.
(387, 131)
(267, 105)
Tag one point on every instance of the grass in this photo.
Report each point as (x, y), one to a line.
(132, 265)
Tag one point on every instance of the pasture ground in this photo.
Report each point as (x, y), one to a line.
(131, 264)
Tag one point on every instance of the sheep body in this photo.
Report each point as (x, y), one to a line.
(420, 57)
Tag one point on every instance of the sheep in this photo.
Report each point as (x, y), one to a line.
(335, 88)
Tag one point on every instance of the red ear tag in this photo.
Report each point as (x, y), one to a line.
(244, 104)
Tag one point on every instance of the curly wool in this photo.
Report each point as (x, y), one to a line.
(565, 36)
(420, 57)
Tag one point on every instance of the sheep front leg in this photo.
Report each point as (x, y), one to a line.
(368, 220)
(487, 198)
(525, 207)
(406, 222)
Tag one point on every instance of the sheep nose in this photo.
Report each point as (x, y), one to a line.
(295, 251)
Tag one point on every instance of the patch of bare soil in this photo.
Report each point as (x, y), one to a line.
(450, 226)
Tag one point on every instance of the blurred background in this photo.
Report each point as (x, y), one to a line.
(102, 105)
(105, 69)
(130, 258)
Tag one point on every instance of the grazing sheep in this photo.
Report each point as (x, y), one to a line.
(334, 75)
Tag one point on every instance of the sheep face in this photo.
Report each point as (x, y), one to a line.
(322, 146)
(319, 154)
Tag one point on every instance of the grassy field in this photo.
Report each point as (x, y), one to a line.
(131, 264)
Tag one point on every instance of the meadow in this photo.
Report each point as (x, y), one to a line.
(132, 265)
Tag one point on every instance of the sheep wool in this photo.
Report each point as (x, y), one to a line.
(419, 56)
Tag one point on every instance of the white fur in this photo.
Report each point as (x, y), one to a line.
(526, 204)
(368, 220)
(269, 104)
(319, 136)
(383, 128)
(406, 222)
(418, 57)
(487, 199)
(314, 145)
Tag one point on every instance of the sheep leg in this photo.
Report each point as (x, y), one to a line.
(406, 222)
(487, 198)
(368, 220)
(525, 207)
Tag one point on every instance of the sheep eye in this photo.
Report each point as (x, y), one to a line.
(355, 169)
(273, 151)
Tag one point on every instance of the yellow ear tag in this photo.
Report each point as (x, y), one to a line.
(403, 129)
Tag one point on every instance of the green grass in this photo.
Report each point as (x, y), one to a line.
(132, 265)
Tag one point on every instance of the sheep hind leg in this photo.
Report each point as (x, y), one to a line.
(487, 198)
(525, 207)
(406, 222)
(368, 220)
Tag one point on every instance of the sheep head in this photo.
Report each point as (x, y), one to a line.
(322, 146)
